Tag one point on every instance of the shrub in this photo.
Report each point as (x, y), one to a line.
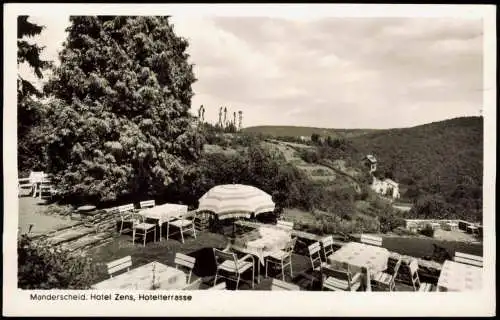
(44, 267)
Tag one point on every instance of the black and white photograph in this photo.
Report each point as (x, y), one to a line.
(157, 158)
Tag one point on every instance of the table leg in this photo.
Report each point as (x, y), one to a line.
(161, 233)
(258, 271)
(368, 282)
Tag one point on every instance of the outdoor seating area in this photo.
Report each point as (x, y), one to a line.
(38, 184)
(261, 255)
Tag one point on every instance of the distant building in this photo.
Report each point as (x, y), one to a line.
(386, 187)
(305, 138)
(371, 162)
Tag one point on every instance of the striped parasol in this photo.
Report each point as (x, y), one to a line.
(236, 200)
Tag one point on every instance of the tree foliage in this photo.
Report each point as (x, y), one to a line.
(121, 122)
(29, 109)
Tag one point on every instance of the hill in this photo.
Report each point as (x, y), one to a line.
(441, 159)
(294, 131)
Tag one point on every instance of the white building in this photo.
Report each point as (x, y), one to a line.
(386, 187)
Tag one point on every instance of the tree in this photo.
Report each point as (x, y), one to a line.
(29, 110)
(121, 121)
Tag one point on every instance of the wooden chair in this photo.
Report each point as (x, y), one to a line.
(287, 225)
(278, 285)
(147, 204)
(316, 262)
(141, 228)
(327, 244)
(468, 259)
(282, 258)
(386, 281)
(371, 240)
(417, 285)
(183, 225)
(119, 265)
(340, 279)
(228, 262)
(185, 261)
(126, 212)
(220, 286)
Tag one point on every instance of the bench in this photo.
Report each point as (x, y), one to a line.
(468, 259)
(371, 240)
(119, 265)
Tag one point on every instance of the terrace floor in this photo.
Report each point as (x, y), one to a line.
(164, 252)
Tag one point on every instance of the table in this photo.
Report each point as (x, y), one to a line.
(141, 278)
(164, 213)
(358, 255)
(261, 242)
(457, 276)
(435, 225)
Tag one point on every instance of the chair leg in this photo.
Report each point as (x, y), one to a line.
(194, 231)
(282, 270)
(216, 274)
(133, 236)
(291, 270)
(182, 235)
(253, 276)
(267, 263)
(237, 281)
(168, 229)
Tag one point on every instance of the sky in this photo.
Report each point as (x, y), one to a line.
(326, 72)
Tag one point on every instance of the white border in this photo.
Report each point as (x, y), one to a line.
(230, 303)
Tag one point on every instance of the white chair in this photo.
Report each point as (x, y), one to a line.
(119, 265)
(279, 285)
(386, 281)
(327, 244)
(220, 286)
(317, 263)
(125, 212)
(35, 178)
(283, 258)
(228, 262)
(287, 225)
(340, 279)
(183, 225)
(468, 259)
(147, 204)
(371, 240)
(417, 285)
(185, 261)
(141, 228)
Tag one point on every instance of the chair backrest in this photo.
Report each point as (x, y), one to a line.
(147, 204)
(219, 286)
(282, 285)
(186, 262)
(396, 270)
(314, 255)
(290, 245)
(221, 256)
(343, 273)
(413, 266)
(371, 240)
(119, 264)
(468, 259)
(285, 224)
(126, 208)
(327, 243)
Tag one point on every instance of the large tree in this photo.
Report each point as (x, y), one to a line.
(28, 107)
(121, 121)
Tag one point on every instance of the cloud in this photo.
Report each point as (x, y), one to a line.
(329, 72)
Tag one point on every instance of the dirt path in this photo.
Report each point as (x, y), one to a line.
(36, 212)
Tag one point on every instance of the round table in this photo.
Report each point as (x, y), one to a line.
(87, 209)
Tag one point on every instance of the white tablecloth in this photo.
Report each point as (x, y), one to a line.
(459, 277)
(359, 255)
(141, 278)
(164, 212)
(271, 239)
